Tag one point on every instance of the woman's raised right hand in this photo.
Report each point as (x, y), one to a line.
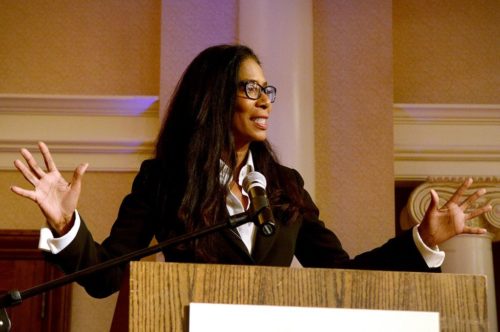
(56, 198)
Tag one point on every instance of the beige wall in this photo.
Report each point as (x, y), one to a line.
(107, 47)
(447, 51)
(353, 116)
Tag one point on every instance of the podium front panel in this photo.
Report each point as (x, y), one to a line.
(160, 293)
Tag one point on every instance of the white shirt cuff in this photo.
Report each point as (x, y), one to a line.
(55, 245)
(432, 256)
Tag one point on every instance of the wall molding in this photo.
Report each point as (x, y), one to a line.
(446, 140)
(112, 133)
(435, 114)
(115, 133)
(65, 105)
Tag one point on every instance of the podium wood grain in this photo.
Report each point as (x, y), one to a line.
(160, 293)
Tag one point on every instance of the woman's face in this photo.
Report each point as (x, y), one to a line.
(250, 116)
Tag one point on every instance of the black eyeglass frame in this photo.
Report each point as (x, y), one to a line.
(262, 89)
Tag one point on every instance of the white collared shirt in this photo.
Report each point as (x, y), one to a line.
(234, 205)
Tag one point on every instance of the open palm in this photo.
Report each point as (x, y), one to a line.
(56, 197)
(441, 224)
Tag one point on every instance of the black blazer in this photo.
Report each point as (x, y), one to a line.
(301, 234)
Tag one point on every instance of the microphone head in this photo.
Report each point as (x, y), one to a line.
(254, 179)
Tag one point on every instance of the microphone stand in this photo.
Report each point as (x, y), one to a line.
(15, 297)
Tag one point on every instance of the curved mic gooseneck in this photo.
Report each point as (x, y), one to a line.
(255, 185)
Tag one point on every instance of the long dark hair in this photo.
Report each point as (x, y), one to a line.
(196, 134)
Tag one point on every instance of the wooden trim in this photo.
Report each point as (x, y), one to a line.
(59, 304)
(18, 245)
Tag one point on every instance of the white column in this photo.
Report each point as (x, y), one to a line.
(473, 254)
(465, 253)
(281, 33)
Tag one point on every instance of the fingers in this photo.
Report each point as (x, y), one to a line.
(469, 200)
(472, 198)
(473, 230)
(434, 204)
(30, 160)
(47, 157)
(81, 169)
(459, 193)
(33, 165)
(78, 175)
(23, 192)
(27, 173)
(478, 212)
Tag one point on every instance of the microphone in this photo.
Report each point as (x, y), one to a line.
(255, 185)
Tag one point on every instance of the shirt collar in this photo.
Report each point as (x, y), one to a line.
(225, 175)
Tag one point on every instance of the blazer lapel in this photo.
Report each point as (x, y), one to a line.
(232, 236)
(264, 243)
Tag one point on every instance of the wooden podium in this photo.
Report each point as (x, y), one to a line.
(160, 293)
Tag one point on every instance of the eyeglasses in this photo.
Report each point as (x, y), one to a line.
(253, 90)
